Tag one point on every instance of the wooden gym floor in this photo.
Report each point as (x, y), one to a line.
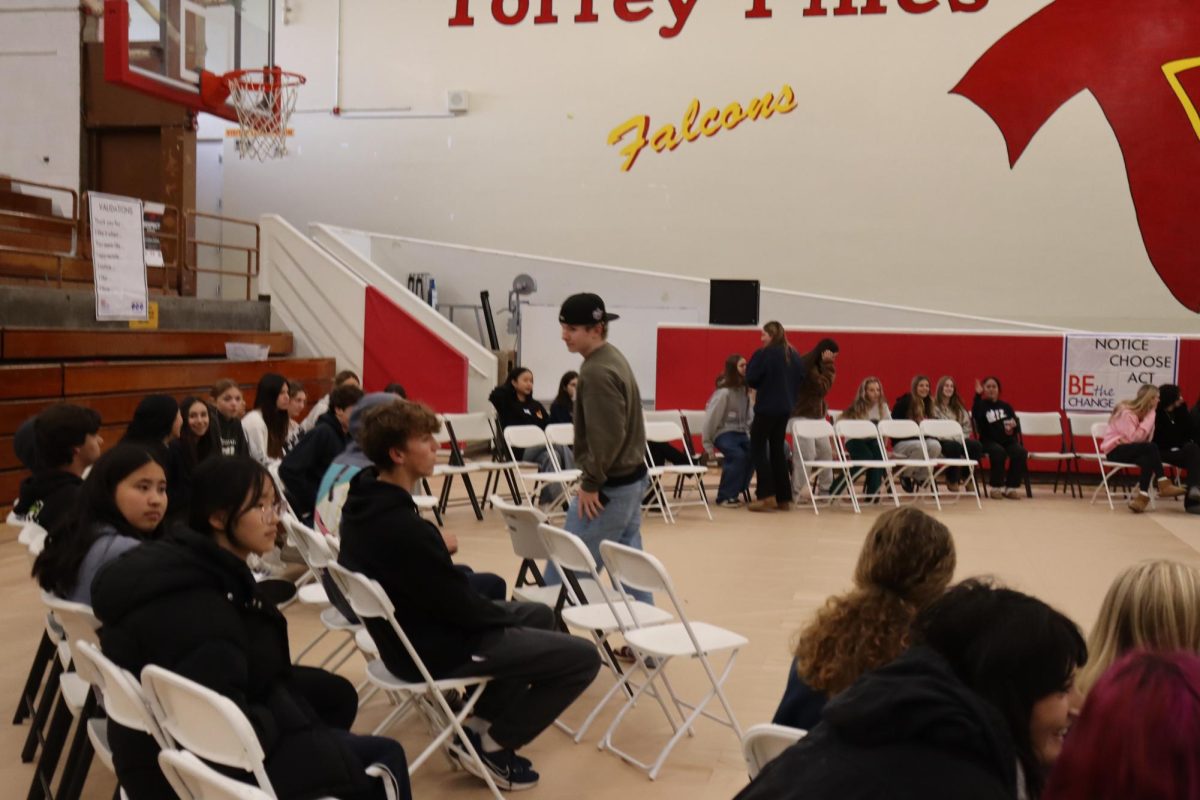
(760, 575)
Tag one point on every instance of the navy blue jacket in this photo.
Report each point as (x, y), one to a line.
(775, 380)
(303, 467)
(801, 705)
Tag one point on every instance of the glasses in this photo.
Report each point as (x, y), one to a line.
(271, 512)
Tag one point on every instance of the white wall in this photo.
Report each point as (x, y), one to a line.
(39, 93)
(880, 186)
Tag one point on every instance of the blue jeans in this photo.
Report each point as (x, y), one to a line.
(541, 456)
(620, 521)
(738, 469)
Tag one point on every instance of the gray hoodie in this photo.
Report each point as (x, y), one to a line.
(727, 410)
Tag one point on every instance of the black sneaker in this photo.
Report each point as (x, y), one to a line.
(523, 776)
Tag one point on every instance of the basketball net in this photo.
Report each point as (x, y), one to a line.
(264, 100)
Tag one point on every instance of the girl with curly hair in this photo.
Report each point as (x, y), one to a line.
(906, 563)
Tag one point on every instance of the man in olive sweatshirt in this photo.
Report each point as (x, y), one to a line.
(610, 435)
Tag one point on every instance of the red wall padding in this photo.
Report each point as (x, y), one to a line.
(396, 347)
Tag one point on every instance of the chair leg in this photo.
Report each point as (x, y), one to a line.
(42, 712)
(79, 757)
(37, 671)
(52, 747)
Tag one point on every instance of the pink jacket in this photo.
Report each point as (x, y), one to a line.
(1125, 428)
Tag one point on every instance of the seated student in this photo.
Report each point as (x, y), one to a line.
(270, 432)
(948, 405)
(189, 603)
(1176, 441)
(997, 426)
(198, 440)
(305, 464)
(819, 369)
(976, 708)
(1136, 736)
(156, 422)
(727, 417)
(906, 563)
(299, 399)
(343, 378)
(868, 404)
(514, 404)
(66, 441)
(917, 405)
(231, 407)
(562, 410)
(1152, 605)
(537, 671)
(1129, 439)
(122, 502)
(396, 389)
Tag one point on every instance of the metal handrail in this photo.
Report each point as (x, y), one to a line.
(72, 220)
(192, 247)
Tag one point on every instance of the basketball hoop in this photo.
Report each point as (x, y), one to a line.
(264, 100)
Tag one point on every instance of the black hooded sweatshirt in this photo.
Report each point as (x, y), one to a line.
(185, 604)
(908, 730)
(48, 496)
(232, 436)
(304, 465)
(384, 538)
(989, 418)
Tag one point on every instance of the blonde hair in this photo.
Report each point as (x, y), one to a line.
(1152, 605)
(1142, 404)
(954, 404)
(861, 407)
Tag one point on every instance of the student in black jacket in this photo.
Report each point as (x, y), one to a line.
(190, 604)
(305, 464)
(231, 407)
(537, 672)
(1176, 440)
(775, 372)
(997, 426)
(66, 441)
(198, 440)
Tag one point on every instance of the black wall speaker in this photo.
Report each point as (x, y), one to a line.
(732, 302)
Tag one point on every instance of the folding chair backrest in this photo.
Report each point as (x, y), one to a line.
(1040, 423)
(664, 431)
(522, 436)
(635, 568)
(899, 429)
(763, 743)
(811, 429)
(660, 416)
(1081, 423)
(695, 419)
(192, 779)
(442, 435)
(205, 722)
(942, 429)
(566, 549)
(312, 545)
(80, 625)
(1099, 429)
(522, 523)
(856, 429)
(474, 427)
(123, 698)
(834, 414)
(561, 433)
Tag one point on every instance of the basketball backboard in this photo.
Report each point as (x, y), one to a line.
(169, 48)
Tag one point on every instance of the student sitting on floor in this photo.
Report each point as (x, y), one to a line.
(66, 441)
(305, 464)
(536, 671)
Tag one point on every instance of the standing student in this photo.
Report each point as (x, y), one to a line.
(122, 502)
(562, 410)
(819, 370)
(1129, 438)
(948, 405)
(610, 435)
(727, 420)
(868, 404)
(231, 407)
(1176, 440)
(270, 432)
(66, 441)
(343, 378)
(198, 441)
(997, 426)
(774, 372)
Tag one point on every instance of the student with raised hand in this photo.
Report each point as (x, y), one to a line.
(1129, 438)
(774, 372)
(562, 410)
(976, 708)
(270, 432)
(906, 562)
(818, 367)
(122, 502)
(997, 426)
(727, 420)
(305, 464)
(1176, 440)
(1151, 605)
(231, 407)
(198, 440)
(189, 603)
(948, 405)
(1136, 738)
(65, 442)
(344, 378)
(536, 671)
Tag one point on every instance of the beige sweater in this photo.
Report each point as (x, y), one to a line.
(610, 435)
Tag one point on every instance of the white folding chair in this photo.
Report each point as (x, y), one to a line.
(764, 742)
(317, 556)
(834, 415)
(952, 431)
(456, 467)
(663, 643)
(864, 429)
(521, 437)
(649, 416)
(1108, 469)
(1079, 426)
(821, 429)
(192, 779)
(693, 428)
(602, 619)
(908, 429)
(370, 601)
(1049, 425)
(33, 537)
(479, 428)
(667, 431)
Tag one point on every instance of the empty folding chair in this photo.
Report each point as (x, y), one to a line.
(1047, 425)
(661, 477)
(843, 469)
(456, 468)
(1108, 469)
(764, 742)
(521, 437)
(664, 643)
(478, 428)
(693, 429)
(950, 430)
(317, 555)
(602, 619)
(1079, 426)
(369, 601)
(924, 467)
